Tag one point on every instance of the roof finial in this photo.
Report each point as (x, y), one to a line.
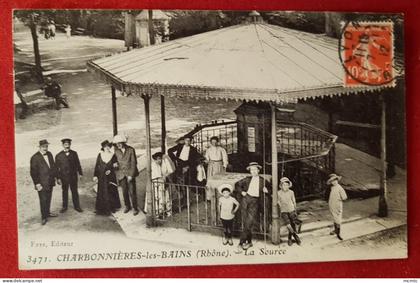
(255, 16)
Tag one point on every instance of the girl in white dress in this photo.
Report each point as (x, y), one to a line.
(335, 203)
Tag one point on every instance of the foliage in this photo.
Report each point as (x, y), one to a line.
(186, 23)
(306, 21)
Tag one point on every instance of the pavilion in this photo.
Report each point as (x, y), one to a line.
(247, 62)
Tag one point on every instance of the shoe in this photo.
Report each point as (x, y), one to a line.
(225, 241)
(136, 211)
(332, 232)
(144, 211)
(289, 240)
(127, 210)
(338, 233)
(247, 246)
(52, 215)
(230, 242)
(64, 209)
(239, 249)
(44, 221)
(299, 228)
(297, 239)
(78, 209)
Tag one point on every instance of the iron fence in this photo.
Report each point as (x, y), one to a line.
(225, 131)
(189, 206)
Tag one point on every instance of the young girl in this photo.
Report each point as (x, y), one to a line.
(227, 209)
(335, 202)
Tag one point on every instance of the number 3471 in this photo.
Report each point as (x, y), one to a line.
(36, 259)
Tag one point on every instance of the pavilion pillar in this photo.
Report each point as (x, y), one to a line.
(163, 122)
(149, 190)
(383, 194)
(114, 111)
(275, 226)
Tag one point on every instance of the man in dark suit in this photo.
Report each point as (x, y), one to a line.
(43, 174)
(127, 172)
(53, 89)
(185, 157)
(68, 171)
(255, 191)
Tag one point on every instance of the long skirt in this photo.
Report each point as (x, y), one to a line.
(213, 168)
(162, 199)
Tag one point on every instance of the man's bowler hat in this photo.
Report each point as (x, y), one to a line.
(43, 142)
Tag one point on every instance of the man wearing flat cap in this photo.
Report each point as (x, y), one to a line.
(68, 172)
(255, 192)
(43, 173)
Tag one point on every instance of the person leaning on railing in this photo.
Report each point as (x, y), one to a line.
(162, 169)
(185, 157)
(255, 191)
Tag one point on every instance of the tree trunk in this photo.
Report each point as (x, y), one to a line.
(38, 67)
(151, 28)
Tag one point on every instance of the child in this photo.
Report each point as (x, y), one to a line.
(335, 202)
(227, 209)
(287, 203)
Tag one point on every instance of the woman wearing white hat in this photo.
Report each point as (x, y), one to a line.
(335, 202)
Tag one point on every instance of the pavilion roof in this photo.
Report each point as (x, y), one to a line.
(258, 62)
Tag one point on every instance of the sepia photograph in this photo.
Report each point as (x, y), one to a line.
(192, 137)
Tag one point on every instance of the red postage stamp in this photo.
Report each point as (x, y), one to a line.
(366, 52)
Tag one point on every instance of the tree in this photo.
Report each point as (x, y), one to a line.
(32, 18)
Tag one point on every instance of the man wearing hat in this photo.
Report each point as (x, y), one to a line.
(253, 190)
(127, 172)
(53, 89)
(335, 203)
(287, 204)
(43, 173)
(68, 169)
(185, 157)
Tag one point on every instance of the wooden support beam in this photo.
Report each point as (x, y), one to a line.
(163, 122)
(114, 111)
(275, 227)
(150, 222)
(383, 196)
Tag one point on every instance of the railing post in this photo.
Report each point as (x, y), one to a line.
(114, 111)
(275, 228)
(149, 189)
(188, 209)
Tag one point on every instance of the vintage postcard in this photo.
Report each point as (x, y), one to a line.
(171, 138)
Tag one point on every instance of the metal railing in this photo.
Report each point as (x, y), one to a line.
(190, 206)
(226, 131)
(298, 141)
(307, 157)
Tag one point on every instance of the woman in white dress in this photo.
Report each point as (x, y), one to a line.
(162, 168)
